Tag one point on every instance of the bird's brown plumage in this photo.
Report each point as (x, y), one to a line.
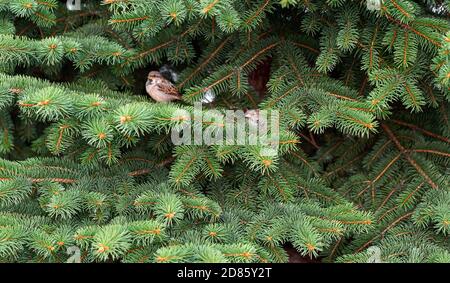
(160, 88)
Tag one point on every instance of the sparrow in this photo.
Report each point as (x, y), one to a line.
(160, 88)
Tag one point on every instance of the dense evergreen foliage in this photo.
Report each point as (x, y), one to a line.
(86, 158)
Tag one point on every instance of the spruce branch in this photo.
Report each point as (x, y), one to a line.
(408, 157)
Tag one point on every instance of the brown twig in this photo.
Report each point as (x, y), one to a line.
(135, 173)
(408, 157)
(423, 131)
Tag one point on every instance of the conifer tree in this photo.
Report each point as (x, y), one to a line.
(87, 160)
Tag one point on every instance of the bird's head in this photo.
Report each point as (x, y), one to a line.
(154, 75)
